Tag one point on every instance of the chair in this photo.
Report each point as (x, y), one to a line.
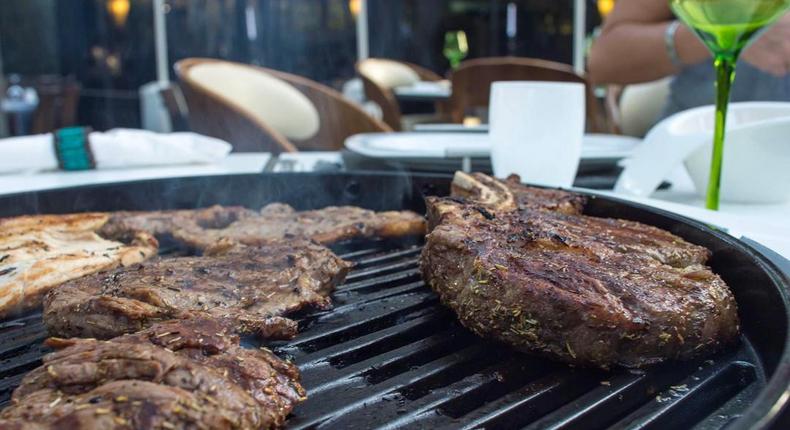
(173, 100)
(380, 76)
(473, 78)
(58, 100)
(260, 109)
(634, 109)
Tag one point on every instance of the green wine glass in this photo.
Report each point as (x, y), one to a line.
(455, 48)
(725, 27)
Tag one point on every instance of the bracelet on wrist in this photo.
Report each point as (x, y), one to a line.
(669, 43)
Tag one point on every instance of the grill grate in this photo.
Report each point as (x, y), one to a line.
(388, 355)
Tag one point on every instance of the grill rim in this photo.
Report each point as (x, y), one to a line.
(768, 408)
(773, 401)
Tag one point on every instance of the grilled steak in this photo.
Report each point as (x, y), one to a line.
(511, 195)
(584, 290)
(122, 224)
(253, 284)
(328, 225)
(189, 374)
(203, 227)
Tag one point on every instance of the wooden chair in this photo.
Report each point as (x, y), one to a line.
(472, 84)
(58, 100)
(173, 100)
(260, 109)
(379, 77)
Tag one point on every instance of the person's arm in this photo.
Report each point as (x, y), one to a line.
(771, 51)
(631, 46)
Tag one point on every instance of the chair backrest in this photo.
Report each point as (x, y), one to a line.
(259, 109)
(173, 100)
(636, 108)
(379, 77)
(58, 99)
(473, 78)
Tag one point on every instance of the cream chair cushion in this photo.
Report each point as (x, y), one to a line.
(641, 106)
(274, 102)
(388, 74)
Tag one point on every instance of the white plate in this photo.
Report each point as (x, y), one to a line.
(425, 89)
(450, 128)
(460, 144)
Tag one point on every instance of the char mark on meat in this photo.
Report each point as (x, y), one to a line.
(201, 228)
(511, 194)
(184, 374)
(121, 225)
(585, 290)
(255, 285)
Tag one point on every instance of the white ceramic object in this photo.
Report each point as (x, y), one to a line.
(536, 130)
(756, 167)
(456, 144)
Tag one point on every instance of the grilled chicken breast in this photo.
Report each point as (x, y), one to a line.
(34, 261)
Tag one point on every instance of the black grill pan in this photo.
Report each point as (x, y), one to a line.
(390, 356)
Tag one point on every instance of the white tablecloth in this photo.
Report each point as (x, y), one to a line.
(766, 224)
(232, 164)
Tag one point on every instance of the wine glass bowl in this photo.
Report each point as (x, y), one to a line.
(456, 47)
(726, 27)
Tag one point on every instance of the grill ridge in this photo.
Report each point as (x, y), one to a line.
(424, 378)
(388, 355)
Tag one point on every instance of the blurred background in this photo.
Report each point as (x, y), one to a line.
(91, 59)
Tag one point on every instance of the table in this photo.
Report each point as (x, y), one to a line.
(765, 224)
(424, 91)
(307, 161)
(233, 164)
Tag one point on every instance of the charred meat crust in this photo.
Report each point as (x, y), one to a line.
(328, 225)
(253, 284)
(121, 225)
(584, 290)
(201, 228)
(190, 373)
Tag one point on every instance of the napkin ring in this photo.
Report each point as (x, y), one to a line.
(73, 149)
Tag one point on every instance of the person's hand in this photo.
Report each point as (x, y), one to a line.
(771, 51)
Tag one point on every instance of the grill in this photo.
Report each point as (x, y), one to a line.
(388, 355)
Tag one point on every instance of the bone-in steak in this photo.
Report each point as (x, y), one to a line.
(188, 374)
(253, 284)
(584, 290)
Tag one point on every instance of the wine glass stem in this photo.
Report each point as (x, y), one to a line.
(725, 73)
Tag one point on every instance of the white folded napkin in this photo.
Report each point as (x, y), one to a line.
(117, 148)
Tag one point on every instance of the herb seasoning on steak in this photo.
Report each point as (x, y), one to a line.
(539, 275)
(255, 285)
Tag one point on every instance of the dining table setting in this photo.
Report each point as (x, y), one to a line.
(536, 129)
(395, 215)
(443, 149)
(530, 182)
(424, 91)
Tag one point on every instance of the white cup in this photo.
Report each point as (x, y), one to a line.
(536, 130)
